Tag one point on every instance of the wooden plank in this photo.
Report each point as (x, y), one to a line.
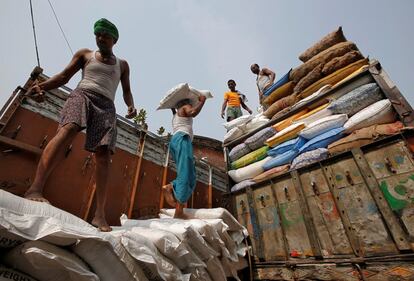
(328, 224)
(353, 239)
(292, 219)
(308, 220)
(400, 238)
(398, 192)
(390, 160)
(255, 222)
(269, 223)
(361, 209)
(21, 145)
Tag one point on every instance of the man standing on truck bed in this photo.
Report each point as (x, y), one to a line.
(179, 190)
(265, 78)
(233, 100)
(90, 106)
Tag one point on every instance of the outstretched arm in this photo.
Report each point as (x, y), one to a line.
(60, 79)
(126, 89)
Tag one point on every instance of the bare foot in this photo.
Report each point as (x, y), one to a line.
(36, 196)
(179, 212)
(169, 194)
(101, 224)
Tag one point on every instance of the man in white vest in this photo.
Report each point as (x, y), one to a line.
(90, 106)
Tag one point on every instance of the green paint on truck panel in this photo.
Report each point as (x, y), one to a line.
(400, 195)
(290, 214)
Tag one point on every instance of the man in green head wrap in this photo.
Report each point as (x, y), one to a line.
(105, 26)
(90, 106)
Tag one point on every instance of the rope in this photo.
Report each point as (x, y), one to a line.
(61, 29)
(34, 34)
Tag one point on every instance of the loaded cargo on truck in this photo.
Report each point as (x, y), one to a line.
(46, 242)
(323, 179)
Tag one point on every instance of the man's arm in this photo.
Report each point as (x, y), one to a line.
(60, 79)
(245, 107)
(260, 92)
(269, 73)
(126, 89)
(194, 111)
(223, 108)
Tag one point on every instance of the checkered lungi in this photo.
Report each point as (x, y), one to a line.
(94, 112)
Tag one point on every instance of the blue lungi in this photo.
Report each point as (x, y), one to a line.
(181, 150)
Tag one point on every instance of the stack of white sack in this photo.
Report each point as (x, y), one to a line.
(41, 242)
(226, 229)
(47, 243)
(243, 125)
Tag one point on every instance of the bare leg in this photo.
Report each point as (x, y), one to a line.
(102, 157)
(168, 194)
(51, 156)
(179, 211)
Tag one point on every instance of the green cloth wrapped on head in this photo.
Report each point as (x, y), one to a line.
(105, 26)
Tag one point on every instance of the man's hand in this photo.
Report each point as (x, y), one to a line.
(202, 98)
(250, 111)
(132, 112)
(36, 93)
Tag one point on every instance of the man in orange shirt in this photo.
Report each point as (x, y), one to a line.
(233, 100)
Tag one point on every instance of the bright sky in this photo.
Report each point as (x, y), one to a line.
(204, 43)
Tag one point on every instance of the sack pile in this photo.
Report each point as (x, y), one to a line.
(310, 135)
(41, 242)
(327, 62)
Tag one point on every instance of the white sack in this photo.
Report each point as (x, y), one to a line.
(47, 262)
(8, 274)
(323, 125)
(205, 214)
(249, 171)
(171, 247)
(143, 250)
(109, 259)
(180, 92)
(182, 231)
(380, 112)
(238, 122)
(35, 220)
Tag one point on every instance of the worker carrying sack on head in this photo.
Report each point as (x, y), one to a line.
(179, 190)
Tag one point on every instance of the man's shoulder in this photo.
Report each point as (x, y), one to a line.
(84, 51)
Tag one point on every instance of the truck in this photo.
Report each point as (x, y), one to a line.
(349, 216)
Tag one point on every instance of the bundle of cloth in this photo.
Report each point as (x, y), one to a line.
(327, 62)
(354, 119)
(43, 243)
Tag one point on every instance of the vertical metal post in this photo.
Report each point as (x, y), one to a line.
(210, 187)
(164, 178)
